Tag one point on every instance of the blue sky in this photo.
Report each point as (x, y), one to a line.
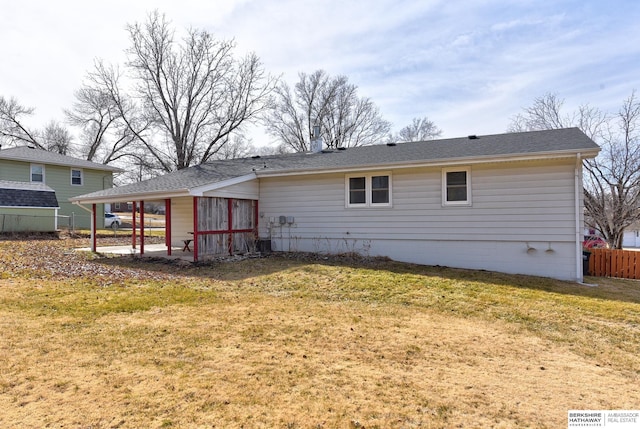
(467, 65)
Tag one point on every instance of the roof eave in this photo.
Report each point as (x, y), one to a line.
(137, 196)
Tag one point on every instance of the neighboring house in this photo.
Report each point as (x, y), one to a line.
(508, 202)
(67, 176)
(26, 206)
(631, 236)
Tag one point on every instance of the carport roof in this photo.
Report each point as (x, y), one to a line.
(498, 147)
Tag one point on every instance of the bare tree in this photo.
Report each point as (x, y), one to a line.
(420, 129)
(12, 127)
(611, 180)
(238, 147)
(332, 103)
(56, 138)
(105, 137)
(546, 114)
(189, 96)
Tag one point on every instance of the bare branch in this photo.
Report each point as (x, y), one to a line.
(345, 119)
(612, 180)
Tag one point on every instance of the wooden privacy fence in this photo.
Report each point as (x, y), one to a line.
(614, 263)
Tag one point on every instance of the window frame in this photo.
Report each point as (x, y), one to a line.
(81, 176)
(368, 190)
(31, 173)
(464, 203)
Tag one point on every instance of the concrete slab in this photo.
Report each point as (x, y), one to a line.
(150, 251)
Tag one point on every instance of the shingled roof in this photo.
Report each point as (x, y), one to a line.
(550, 143)
(26, 194)
(31, 154)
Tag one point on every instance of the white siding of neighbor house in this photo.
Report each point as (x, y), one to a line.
(631, 238)
(522, 218)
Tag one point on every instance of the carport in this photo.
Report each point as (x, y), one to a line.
(214, 210)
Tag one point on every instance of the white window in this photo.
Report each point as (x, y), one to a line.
(76, 177)
(456, 186)
(37, 173)
(368, 190)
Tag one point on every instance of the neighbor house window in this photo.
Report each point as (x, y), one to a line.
(37, 173)
(456, 186)
(368, 190)
(76, 177)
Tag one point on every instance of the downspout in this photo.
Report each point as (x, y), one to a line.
(93, 226)
(578, 189)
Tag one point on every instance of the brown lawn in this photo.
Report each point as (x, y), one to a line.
(303, 342)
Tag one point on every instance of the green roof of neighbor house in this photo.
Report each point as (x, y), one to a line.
(31, 154)
(25, 194)
(528, 145)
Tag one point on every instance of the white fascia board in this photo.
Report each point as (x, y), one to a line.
(146, 196)
(200, 190)
(591, 153)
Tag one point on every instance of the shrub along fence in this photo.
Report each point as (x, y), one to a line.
(614, 263)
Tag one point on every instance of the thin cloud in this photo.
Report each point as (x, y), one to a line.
(467, 65)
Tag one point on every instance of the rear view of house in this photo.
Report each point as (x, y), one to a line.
(506, 202)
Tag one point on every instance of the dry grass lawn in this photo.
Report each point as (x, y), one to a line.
(291, 342)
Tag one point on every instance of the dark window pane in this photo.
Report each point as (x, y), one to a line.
(357, 192)
(380, 182)
(357, 197)
(380, 196)
(457, 186)
(457, 193)
(356, 183)
(457, 178)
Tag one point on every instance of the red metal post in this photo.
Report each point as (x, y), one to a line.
(133, 224)
(94, 227)
(167, 224)
(256, 216)
(195, 229)
(230, 225)
(141, 227)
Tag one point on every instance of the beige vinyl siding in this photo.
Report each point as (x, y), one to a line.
(521, 203)
(513, 202)
(248, 190)
(181, 220)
